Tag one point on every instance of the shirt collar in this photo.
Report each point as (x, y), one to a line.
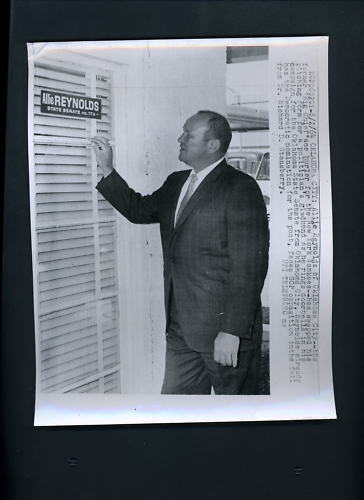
(205, 171)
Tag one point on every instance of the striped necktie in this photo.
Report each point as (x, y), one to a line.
(187, 195)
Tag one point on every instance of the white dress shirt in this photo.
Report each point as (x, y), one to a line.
(200, 177)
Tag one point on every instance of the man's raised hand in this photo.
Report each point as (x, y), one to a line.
(103, 153)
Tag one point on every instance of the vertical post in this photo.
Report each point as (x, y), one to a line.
(119, 128)
(98, 304)
(33, 217)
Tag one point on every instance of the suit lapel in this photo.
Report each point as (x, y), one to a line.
(199, 194)
(175, 196)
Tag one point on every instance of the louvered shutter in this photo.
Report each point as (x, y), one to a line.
(74, 235)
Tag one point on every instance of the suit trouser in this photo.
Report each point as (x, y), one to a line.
(191, 372)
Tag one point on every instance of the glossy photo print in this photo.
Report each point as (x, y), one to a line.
(181, 267)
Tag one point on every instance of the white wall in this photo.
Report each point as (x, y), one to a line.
(163, 88)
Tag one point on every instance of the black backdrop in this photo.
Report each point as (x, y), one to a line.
(283, 460)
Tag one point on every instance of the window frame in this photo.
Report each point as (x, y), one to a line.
(92, 65)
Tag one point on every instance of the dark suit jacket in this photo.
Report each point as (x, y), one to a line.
(215, 258)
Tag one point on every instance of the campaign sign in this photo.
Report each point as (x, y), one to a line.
(71, 105)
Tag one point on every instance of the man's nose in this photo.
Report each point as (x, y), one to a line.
(180, 138)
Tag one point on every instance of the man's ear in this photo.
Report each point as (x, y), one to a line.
(214, 145)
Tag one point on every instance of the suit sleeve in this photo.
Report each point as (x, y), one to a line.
(135, 207)
(248, 244)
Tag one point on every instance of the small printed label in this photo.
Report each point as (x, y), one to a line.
(71, 105)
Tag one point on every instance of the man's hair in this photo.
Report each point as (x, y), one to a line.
(219, 128)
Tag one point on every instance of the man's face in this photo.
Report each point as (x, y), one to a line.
(193, 146)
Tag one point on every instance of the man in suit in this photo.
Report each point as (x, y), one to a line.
(214, 234)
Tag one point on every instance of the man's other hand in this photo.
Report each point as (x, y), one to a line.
(103, 153)
(226, 349)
